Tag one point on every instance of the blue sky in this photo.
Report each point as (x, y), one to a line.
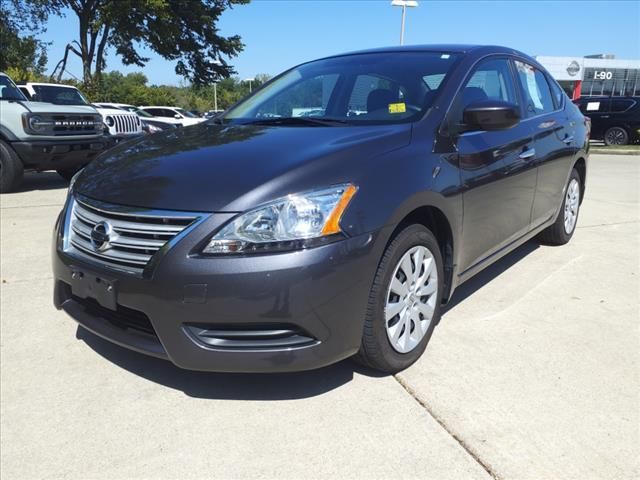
(281, 33)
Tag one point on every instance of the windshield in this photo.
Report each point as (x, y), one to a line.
(139, 112)
(184, 113)
(58, 95)
(372, 88)
(8, 90)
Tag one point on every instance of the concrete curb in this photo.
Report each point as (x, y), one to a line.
(614, 151)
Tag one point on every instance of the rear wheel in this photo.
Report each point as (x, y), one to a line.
(562, 230)
(616, 136)
(11, 169)
(404, 303)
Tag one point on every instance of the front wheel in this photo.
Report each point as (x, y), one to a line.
(11, 169)
(404, 303)
(562, 230)
(616, 136)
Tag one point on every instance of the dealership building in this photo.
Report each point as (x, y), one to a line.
(595, 75)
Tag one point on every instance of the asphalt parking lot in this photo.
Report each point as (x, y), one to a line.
(533, 373)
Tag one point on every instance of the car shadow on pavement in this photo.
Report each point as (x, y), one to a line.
(227, 386)
(490, 273)
(41, 181)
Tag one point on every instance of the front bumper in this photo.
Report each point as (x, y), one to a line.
(59, 154)
(319, 294)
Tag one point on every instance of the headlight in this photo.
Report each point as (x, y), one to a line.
(151, 128)
(38, 124)
(291, 222)
(110, 121)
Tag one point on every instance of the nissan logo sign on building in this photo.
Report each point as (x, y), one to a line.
(573, 69)
(595, 75)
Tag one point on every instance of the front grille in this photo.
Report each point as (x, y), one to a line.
(127, 124)
(130, 237)
(122, 317)
(75, 125)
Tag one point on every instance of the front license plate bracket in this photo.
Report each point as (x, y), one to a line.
(85, 284)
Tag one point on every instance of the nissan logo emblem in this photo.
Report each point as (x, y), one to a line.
(573, 68)
(101, 236)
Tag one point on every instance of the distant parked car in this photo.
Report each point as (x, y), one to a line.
(150, 124)
(186, 118)
(41, 136)
(119, 124)
(616, 120)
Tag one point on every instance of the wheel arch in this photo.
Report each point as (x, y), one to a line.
(581, 167)
(7, 135)
(437, 222)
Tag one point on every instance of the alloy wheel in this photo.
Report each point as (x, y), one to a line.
(616, 136)
(411, 299)
(571, 206)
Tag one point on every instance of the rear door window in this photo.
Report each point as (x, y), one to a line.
(557, 93)
(537, 94)
(621, 105)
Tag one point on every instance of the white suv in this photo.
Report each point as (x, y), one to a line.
(121, 125)
(175, 113)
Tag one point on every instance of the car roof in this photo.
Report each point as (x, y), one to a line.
(158, 106)
(49, 85)
(439, 48)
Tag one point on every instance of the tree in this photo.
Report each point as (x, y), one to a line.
(180, 30)
(22, 56)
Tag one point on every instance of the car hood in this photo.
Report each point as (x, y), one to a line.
(218, 168)
(113, 111)
(42, 107)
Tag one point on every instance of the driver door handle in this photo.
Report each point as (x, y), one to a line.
(527, 154)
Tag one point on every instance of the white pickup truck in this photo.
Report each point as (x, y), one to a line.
(120, 124)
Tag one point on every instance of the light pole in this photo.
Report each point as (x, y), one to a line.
(404, 4)
(250, 80)
(215, 87)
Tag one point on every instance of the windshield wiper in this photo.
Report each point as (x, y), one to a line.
(320, 121)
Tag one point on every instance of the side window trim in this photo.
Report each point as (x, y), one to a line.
(552, 83)
(518, 87)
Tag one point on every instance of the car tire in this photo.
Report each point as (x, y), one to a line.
(378, 350)
(11, 169)
(565, 225)
(616, 136)
(68, 173)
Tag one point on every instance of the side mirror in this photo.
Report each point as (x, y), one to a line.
(490, 115)
(177, 116)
